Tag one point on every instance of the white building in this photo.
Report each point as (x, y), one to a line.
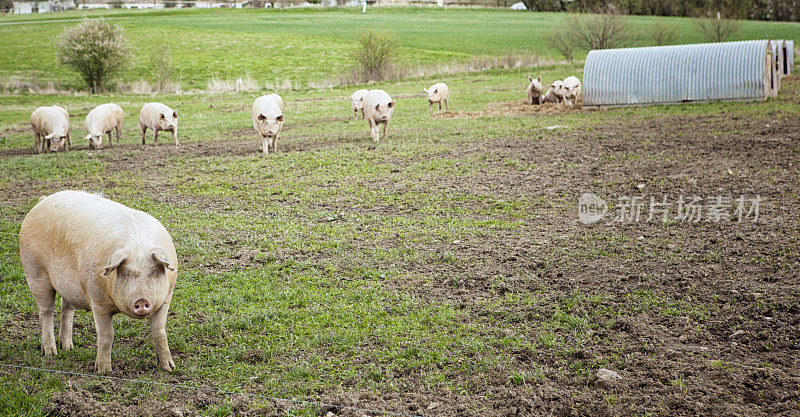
(27, 7)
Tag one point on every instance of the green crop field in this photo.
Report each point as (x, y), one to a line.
(308, 45)
(442, 272)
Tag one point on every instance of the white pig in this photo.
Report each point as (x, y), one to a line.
(100, 256)
(357, 102)
(101, 121)
(51, 128)
(268, 120)
(156, 116)
(535, 90)
(572, 90)
(378, 110)
(554, 94)
(438, 93)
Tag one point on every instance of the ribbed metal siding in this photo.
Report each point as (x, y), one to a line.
(675, 73)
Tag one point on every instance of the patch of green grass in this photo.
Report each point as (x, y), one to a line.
(274, 45)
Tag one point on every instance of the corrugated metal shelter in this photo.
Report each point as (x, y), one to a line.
(743, 70)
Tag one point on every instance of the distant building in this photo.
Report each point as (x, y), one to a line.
(46, 6)
(28, 7)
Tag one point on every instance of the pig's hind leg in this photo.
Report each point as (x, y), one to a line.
(45, 296)
(65, 332)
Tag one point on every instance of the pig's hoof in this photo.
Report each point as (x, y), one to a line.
(66, 345)
(49, 351)
(102, 367)
(167, 365)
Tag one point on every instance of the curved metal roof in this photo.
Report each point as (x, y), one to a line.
(677, 73)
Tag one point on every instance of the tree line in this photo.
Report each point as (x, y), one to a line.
(786, 10)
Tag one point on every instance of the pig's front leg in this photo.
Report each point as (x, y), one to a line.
(158, 324)
(104, 324)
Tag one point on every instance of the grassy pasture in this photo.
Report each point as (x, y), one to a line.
(309, 45)
(445, 265)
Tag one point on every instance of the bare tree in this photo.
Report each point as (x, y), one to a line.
(663, 34)
(606, 28)
(161, 64)
(717, 28)
(561, 40)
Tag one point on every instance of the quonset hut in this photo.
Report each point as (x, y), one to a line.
(742, 70)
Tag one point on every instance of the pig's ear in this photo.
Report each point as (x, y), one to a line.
(116, 259)
(377, 106)
(48, 137)
(261, 117)
(540, 78)
(88, 137)
(391, 104)
(279, 118)
(530, 79)
(175, 114)
(162, 115)
(425, 90)
(160, 256)
(435, 91)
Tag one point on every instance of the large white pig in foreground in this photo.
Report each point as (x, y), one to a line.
(100, 256)
(357, 101)
(157, 116)
(102, 120)
(268, 120)
(378, 110)
(437, 94)
(51, 128)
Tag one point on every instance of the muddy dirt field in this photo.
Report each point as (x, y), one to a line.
(740, 355)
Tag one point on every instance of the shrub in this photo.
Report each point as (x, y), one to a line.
(95, 49)
(717, 28)
(161, 65)
(562, 42)
(376, 54)
(606, 28)
(663, 34)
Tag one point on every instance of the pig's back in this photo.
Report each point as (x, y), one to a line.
(74, 221)
(271, 104)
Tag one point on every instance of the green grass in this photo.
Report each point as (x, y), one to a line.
(305, 46)
(292, 282)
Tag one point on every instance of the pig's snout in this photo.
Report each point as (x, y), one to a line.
(384, 118)
(142, 307)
